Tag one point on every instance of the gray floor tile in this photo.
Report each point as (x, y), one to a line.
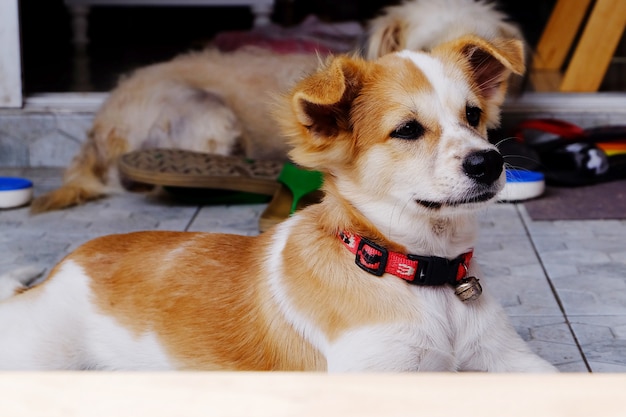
(510, 265)
(501, 219)
(603, 340)
(237, 219)
(592, 294)
(603, 367)
(551, 338)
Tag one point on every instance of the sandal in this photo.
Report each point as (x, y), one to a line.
(209, 178)
(569, 155)
(198, 170)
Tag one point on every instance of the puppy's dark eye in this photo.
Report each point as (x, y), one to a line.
(408, 130)
(472, 114)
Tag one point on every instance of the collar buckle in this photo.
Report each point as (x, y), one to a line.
(371, 257)
(433, 270)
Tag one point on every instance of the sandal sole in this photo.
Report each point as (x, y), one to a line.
(182, 168)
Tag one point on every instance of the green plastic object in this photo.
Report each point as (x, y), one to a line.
(300, 181)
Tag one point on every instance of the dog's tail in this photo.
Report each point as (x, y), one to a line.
(87, 178)
(18, 280)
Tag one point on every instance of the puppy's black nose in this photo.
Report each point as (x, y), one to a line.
(484, 166)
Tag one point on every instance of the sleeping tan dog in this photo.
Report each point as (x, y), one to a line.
(221, 102)
(424, 24)
(377, 277)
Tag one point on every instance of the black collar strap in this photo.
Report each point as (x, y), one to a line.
(418, 270)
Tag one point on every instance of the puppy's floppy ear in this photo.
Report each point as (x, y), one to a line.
(318, 118)
(386, 34)
(490, 64)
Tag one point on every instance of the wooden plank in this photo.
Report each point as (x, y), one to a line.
(559, 33)
(545, 80)
(189, 394)
(596, 47)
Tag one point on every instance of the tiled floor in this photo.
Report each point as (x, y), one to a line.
(562, 282)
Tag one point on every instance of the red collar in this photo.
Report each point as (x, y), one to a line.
(418, 270)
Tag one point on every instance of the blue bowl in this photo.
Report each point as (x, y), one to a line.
(522, 185)
(15, 192)
(518, 175)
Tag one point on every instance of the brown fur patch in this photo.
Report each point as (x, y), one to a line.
(210, 312)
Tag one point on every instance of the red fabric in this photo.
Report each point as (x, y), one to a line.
(401, 266)
(310, 36)
(462, 272)
(558, 127)
(228, 42)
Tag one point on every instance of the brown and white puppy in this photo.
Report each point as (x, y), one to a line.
(402, 144)
(221, 102)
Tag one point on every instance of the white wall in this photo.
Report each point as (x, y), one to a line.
(10, 61)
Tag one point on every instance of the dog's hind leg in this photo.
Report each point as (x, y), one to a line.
(39, 329)
(56, 325)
